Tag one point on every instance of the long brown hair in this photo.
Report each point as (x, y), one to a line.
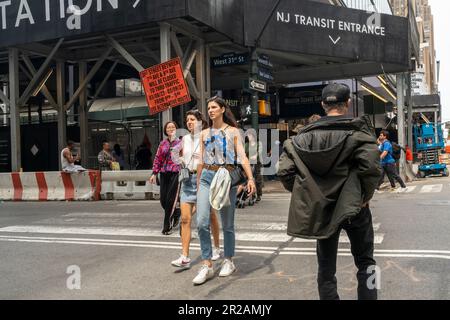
(228, 116)
(199, 116)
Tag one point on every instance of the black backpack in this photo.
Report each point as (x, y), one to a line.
(396, 151)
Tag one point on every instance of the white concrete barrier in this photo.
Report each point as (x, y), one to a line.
(47, 186)
(128, 185)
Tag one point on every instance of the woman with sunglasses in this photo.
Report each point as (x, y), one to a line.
(221, 147)
(190, 157)
(168, 170)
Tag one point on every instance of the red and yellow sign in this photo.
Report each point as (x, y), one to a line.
(164, 86)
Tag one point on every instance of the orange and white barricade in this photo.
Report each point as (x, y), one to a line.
(47, 186)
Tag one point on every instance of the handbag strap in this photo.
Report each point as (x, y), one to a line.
(167, 154)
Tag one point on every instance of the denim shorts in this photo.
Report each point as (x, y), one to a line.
(188, 192)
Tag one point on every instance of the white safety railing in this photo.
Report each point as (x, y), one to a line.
(128, 185)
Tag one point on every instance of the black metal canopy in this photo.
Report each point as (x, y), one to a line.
(306, 40)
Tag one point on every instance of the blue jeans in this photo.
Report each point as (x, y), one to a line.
(204, 221)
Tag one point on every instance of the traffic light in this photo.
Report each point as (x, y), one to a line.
(264, 108)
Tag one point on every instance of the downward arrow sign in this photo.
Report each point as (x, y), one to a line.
(335, 41)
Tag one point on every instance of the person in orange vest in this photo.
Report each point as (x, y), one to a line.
(409, 154)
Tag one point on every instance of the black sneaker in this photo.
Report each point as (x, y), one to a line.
(176, 222)
(167, 232)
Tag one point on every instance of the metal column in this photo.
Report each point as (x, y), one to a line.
(14, 110)
(83, 116)
(5, 90)
(436, 135)
(208, 71)
(200, 75)
(165, 56)
(410, 111)
(255, 95)
(401, 119)
(61, 100)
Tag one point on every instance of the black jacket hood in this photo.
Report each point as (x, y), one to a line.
(320, 144)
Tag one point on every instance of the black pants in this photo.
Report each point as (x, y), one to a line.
(360, 233)
(168, 198)
(391, 171)
(258, 180)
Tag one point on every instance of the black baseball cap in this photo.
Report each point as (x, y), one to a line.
(335, 93)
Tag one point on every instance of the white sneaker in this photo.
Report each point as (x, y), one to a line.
(228, 268)
(182, 262)
(217, 253)
(204, 275)
(401, 190)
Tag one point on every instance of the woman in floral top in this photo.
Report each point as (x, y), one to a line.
(168, 170)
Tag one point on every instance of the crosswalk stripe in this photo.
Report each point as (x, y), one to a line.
(425, 254)
(146, 232)
(197, 245)
(410, 189)
(434, 188)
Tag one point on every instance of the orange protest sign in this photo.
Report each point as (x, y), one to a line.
(164, 86)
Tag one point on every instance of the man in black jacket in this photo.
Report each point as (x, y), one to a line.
(332, 168)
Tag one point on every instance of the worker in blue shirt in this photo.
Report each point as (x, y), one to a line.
(388, 161)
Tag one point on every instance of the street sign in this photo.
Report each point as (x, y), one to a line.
(164, 86)
(329, 31)
(257, 85)
(265, 74)
(265, 68)
(229, 59)
(264, 60)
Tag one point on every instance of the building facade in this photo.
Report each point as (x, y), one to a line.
(426, 77)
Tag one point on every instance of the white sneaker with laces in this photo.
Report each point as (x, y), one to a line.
(216, 254)
(182, 262)
(228, 268)
(204, 275)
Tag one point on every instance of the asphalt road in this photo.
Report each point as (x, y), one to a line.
(119, 252)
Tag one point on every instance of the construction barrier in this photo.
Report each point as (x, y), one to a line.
(128, 185)
(47, 186)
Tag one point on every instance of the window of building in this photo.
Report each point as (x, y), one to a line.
(129, 88)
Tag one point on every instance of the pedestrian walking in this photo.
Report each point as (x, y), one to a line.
(221, 149)
(105, 158)
(190, 158)
(388, 162)
(168, 177)
(253, 150)
(332, 168)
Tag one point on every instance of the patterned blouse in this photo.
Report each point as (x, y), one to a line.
(163, 160)
(103, 158)
(219, 147)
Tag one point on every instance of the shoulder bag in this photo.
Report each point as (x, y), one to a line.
(185, 174)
